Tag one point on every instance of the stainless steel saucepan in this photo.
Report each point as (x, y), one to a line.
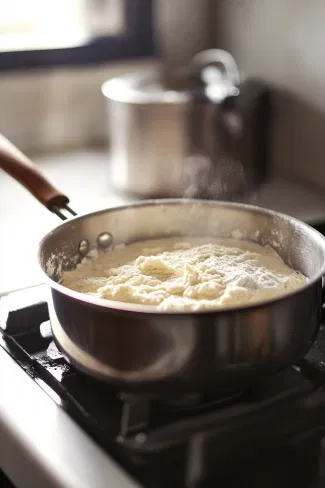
(224, 351)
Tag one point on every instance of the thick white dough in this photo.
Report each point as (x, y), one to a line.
(194, 275)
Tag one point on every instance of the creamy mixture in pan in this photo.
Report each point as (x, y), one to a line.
(198, 274)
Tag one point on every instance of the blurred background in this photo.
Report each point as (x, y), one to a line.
(55, 56)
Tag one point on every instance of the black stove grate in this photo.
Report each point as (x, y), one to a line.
(187, 445)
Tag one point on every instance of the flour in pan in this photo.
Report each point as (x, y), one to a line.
(194, 275)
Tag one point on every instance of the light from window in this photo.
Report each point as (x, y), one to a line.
(49, 24)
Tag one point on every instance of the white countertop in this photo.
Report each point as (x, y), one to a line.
(84, 177)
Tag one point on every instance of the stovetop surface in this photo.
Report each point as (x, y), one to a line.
(269, 436)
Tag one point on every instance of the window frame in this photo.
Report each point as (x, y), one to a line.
(137, 41)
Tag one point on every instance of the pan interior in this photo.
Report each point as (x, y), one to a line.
(300, 246)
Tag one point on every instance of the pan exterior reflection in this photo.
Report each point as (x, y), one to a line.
(169, 353)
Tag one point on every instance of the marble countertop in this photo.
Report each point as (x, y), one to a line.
(84, 177)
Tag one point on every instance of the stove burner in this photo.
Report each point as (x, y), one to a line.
(185, 402)
(197, 403)
(138, 411)
(135, 415)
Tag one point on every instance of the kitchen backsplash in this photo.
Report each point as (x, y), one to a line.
(283, 41)
(52, 110)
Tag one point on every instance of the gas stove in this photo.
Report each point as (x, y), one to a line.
(61, 428)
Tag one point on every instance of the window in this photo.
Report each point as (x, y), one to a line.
(44, 33)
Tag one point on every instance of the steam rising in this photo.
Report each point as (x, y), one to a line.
(205, 179)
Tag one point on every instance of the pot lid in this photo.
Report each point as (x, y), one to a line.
(143, 87)
(203, 78)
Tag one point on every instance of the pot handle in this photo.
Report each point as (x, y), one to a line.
(23, 170)
(212, 56)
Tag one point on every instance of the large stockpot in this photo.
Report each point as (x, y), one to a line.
(201, 133)
(141, 349)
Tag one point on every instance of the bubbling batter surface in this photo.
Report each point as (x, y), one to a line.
(186, 275)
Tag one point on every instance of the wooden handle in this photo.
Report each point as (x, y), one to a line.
(23, 170)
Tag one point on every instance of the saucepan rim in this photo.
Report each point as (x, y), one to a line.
(150, 310)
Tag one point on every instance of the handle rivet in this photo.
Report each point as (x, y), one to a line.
(105, 240)
(83, 247)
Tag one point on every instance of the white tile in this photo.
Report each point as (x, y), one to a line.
(54, 109)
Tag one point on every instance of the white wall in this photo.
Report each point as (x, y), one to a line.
(183, 28)
(283, 41)
(52, 110)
